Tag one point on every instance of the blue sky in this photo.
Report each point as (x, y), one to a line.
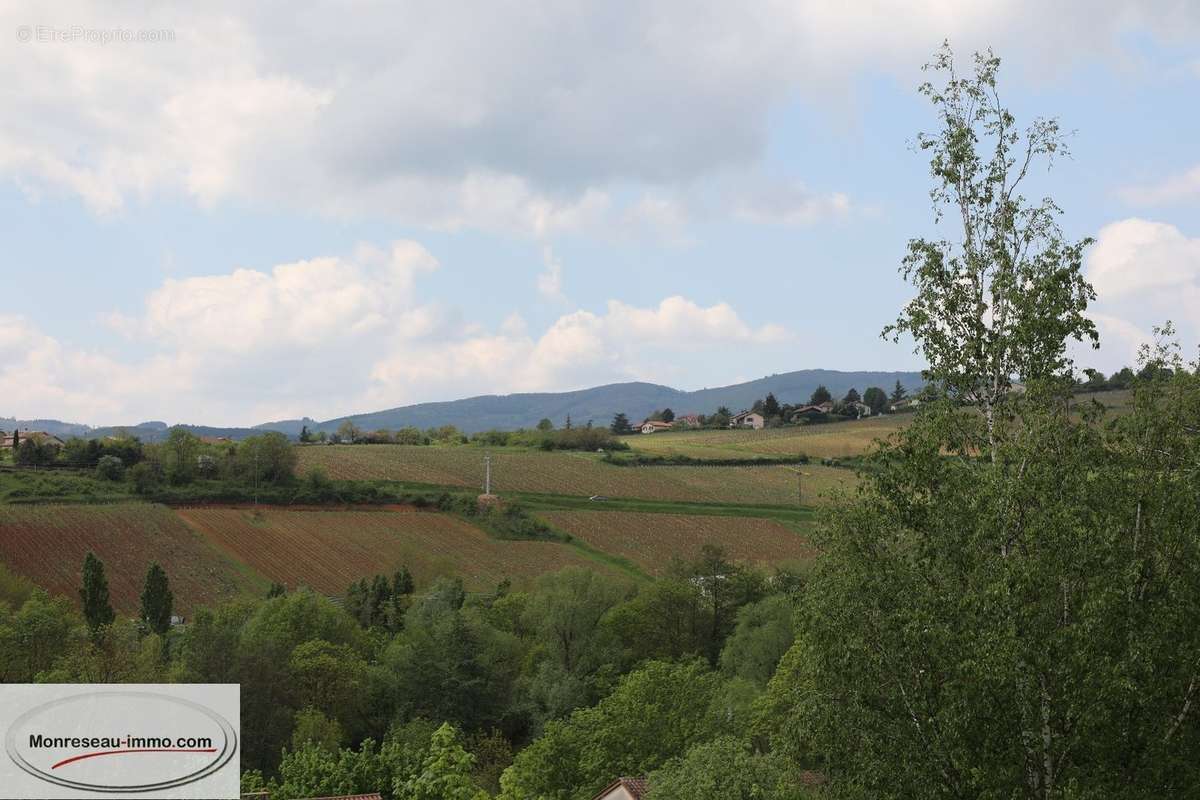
(265, 215)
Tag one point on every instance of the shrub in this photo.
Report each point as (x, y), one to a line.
(147, 476)
(110, 468)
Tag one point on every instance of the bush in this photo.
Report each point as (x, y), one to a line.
(147, 476)
(110, 468)
(318, 487)
(35, 453)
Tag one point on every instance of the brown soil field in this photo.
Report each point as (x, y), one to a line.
(329, 550)
(47, 544)
(652, 540)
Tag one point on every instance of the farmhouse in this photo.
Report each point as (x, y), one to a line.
(40, 437)
(653, 425)
(818, 408)
(624, 789)
(748, 419)
(688, 421)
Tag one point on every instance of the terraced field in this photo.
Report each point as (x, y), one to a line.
(832, 440)
(652, 540)
(47, 544)
(328, 550)
(579, 474)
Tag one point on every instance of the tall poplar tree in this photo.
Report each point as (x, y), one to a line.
(97, 609)
(157, 600)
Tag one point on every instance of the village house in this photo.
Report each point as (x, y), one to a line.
(38, 436)
(655, 425)
(906, 404)
(819, 408)
(688, 421)
(215, 440)
(624, 789)
(748, 419)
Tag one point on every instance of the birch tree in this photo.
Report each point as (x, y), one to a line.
(1000, 299)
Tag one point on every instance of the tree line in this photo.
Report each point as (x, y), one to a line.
(513, 692)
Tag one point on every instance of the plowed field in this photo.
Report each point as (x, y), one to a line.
(328, 550)
(652, 540)
(47, 544)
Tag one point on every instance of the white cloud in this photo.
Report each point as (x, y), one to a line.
(333, 335)
(1144, 273)
(1179, 188)
(550, 283)
(450, 114)
(778, 202)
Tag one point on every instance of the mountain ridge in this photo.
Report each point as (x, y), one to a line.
(598, 404)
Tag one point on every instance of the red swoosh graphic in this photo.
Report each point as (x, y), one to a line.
(117, 752)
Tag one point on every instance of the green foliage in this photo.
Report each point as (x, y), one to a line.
(313, 771)
(329, 678)
(178, 456)
(876, 399)
(1023, 628)
(35, 451)
(445, 773)
(282, 658)
(564, 616)
(34, 636)
(447, 665)
(820, 395)
(315, 729)
(1003, 299)
(268, 458)
(771, 405)
(348, 433)
(763, 633)
(97, 610)
(725, 768)
(110, 468)
(147, 476)
(654, 714)
(14, 589)
(120, 654)
(157, 600)
(587, 439)
(620, 425)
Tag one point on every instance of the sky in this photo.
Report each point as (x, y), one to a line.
(230, 213)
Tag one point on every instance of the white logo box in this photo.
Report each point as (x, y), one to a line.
(120, 740)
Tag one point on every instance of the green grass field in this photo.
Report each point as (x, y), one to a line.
(576, 474)
(831, 440)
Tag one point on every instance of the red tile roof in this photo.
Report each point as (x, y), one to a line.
(636, 787)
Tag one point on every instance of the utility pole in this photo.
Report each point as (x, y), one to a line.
(799, 486)
(487, 473)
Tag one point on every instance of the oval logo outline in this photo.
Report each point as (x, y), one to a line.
(226, 753)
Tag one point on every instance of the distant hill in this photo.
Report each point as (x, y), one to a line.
(600, 403)
(506, 412)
